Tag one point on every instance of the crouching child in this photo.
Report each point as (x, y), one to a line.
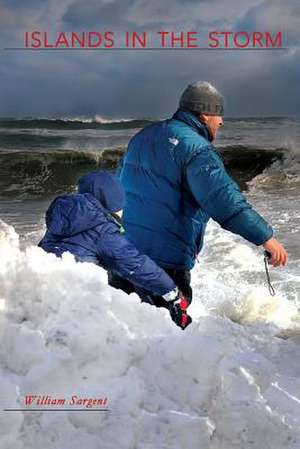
(88, 225)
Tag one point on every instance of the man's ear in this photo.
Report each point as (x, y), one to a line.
(203, 118)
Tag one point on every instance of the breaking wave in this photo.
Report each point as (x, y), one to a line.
(283, 173)
(32, 174)
(97, 122)
(43, 173)
(245, 162)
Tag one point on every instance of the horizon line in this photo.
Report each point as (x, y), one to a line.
(126, 120)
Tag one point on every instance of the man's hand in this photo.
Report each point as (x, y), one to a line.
(279, 255)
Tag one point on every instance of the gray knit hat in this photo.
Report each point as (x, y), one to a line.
(202, 97)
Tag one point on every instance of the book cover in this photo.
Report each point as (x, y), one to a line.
(194, 105)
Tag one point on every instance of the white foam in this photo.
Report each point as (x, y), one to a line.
(97, 118)
(85, 119)
(281, 173)
(63, 331)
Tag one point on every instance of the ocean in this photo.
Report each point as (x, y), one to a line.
(41, 158)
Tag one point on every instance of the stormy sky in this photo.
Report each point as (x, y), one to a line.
(146, 84)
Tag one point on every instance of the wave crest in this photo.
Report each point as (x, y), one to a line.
(76, 123)
(33, 174)
(43, 173)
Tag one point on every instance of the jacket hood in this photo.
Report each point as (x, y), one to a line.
(104, 186)
(70, 214)
(190, 119)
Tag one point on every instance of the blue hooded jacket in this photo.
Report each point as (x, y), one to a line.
(175, 180)
(82, 224)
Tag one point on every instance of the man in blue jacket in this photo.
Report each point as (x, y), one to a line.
(87, 225)
(175, 181)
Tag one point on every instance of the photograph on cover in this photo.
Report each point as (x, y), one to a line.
(149, 224)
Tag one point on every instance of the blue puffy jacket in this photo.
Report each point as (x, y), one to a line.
(79, 223)
(175, 180)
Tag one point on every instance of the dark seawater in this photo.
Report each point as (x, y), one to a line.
(41, 158)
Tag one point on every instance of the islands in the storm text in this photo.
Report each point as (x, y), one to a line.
(158, 40)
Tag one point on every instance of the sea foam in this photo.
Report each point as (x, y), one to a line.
(218, 384)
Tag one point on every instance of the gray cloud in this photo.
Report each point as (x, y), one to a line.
(144, 13)
(146, 84)
(274, 16)
(97, 13)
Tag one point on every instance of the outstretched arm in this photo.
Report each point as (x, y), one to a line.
(219, 196)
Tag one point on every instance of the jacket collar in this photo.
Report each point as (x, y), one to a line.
(117, 220)
(190, 119)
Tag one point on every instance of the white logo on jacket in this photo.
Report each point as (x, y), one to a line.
(173, 141)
